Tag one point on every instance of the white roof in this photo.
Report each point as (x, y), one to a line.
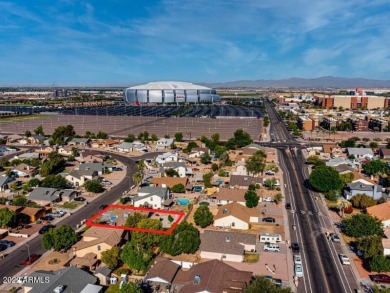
(170, 85)
(360, 151)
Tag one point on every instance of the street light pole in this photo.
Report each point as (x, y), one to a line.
(28, 251)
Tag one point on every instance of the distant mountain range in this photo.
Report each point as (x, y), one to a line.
(320, 82)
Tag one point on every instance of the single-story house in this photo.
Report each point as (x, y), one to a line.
(211, 276)
(46, 196)
(167, 157)
(96, 240)
(90, 157)
(334, 162)
(27, 156)
(382, 212)
(24, 171)
(83, 142)
(198, 152)
(361, 153)
(343, 168)
(241, 181)
(65, 150)
(73, 279)
(386, 242)
(162, 272)
(164, 143)
(125, 147)
(4, 180)
(374, 191)
(168, 181)
(100, 168)
(236, 216)
(79, 177)
(45, 151)
(4, 150)
(226, 246)
(33, 213)
(153, 197)
(227, 195)
(332, 149)
(14, 137)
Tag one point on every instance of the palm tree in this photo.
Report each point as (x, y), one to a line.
(137, 178)
(342, 205)
(141, 166)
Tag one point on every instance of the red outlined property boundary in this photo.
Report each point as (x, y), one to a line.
(90, 221)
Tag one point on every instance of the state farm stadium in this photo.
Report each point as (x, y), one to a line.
(170, 92)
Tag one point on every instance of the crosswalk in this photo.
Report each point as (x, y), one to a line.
(309, 213)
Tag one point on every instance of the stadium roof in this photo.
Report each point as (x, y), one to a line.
(170, 85)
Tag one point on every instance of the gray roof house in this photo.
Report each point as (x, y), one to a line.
(228, 246)
(4, 180)
(125, 147)
(244, 181)
(98, 167)
(164, 143)
(79, 141)
(374, 191)
(72, 279)
(152, 197)
(46, 196)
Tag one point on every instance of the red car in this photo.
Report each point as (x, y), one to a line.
(33, 258)
(380, 278)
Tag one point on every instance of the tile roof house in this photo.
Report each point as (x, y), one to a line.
(46, 196)
(27, 156)
(96, 240)
(243, 182)
(374, 191)
(384, 153)
(343, 168)
(33, 213)
(90, 157)
(236, 216)
(359, 177)
(73, 280)
(79, 177)
(168, 181)
(334, 162)
(213, 276)
(44, 151)
(164, 143)
(227, 246)
(361, 153)
(162, 272)
(24, 170)
(150, 196)
(227, 195)
(332, 149)
(65, 151)
(382, 212)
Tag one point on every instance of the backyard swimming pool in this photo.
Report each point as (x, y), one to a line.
(183, 201)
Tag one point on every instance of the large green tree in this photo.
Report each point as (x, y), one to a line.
(136, 256)
(207, 179)
(242, 138)
(131, 287)
(54, 164)
(205, 158)
(147, 239)
(315, 161)
(178, 188)
(184, 239)
(379, 263)
(59, 238)
(325, 179)
(111, 257)
(93, 186)
(251, 199)
(203, 217)
(370, 246)
(133, 219)
(61, 132)
(347, 177)
(256, 163)
(55, 181)
(359, 225)
(262, 284)
(375, 167)
(179, 137)
(6, 217)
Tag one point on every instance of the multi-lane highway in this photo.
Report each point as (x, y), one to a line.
(323, 271)
(13, 263)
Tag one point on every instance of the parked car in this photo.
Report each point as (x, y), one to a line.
(295, 247)
(270, 173)
(3, 247)
(297, 259)
(57, 214)
(298, 270)
(380, 278)
(47, 218)
(118, 169)
(45, 228)
(103, 206)
(288, 206)
(271, 247)
(79, 198)
(344, 259)
(334, 237)
(7, 243)
(268, 199)
(277, 282)
(33, 258)
(106, 182)
(269, 220)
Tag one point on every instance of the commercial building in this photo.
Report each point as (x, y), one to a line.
(170, 92)
(305, 123)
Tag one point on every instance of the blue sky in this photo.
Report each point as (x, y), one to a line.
(124, 42)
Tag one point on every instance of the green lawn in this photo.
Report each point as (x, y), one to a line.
(113, 288)
(251, 258)
(20, 118)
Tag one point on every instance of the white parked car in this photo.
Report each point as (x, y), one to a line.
(298, 270)
(297, 259)
(344, 259)
(271, 247)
